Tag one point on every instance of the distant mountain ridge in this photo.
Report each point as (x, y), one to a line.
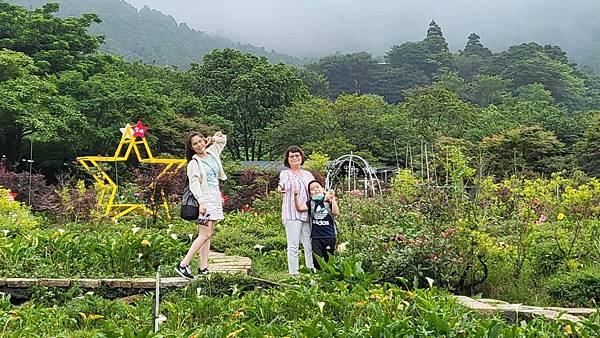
(150, 35)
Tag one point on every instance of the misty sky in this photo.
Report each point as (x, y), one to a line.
(314, 28)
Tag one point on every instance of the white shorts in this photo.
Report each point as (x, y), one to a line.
(214, 205)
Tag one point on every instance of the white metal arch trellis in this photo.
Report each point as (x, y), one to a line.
(354, 169)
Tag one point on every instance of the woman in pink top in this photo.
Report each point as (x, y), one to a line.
(297, 228)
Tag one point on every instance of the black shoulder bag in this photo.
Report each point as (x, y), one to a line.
(189, 204)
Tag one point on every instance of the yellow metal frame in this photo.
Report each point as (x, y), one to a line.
(128, 143)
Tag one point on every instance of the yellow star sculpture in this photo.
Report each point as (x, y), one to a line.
(133, 136)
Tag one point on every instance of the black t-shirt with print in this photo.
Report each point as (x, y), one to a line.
(321, 219)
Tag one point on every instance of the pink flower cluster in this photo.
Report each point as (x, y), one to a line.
(541, 220)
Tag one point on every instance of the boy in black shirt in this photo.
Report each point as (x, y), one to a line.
(322, 208)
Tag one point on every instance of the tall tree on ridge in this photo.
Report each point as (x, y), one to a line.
(475, 47)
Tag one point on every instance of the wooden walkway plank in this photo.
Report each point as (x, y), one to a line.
(218, 262)
(514, 311)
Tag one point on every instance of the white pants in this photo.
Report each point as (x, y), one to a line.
(295, 232)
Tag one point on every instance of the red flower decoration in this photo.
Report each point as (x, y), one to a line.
(246, 208)
(12, 196)
(224, 198)
(139, 130)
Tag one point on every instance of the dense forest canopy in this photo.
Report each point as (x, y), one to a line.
(527, 108)
(317, 28)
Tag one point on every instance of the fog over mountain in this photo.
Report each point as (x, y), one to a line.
(313, 28)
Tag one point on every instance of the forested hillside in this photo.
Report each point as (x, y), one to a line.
(149, 35)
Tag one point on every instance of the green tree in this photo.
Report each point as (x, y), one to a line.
(468, 66)
(475, 47)
(391, 82)
(300, 124)
(587, 149)
(364, 124)
(487, 89)
(558, 78)
(430, 55)
(55, 44)
(316, 83)
(359, 119)
(347, 74)
(532, 63)
(529, 149)
(249, 92)
(32, 109)
(436, 111)
(451, 81)
(14, 65)
(109, 101)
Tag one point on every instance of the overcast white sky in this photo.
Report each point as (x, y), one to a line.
(320, 27)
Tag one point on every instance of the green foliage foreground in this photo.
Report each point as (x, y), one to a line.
(343, 301)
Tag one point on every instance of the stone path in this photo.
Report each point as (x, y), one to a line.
(516, 312)
(218, 262)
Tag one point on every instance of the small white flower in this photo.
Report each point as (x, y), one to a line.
(135, 229)
(321, 306)
(342, 247)
(90, 293)
(161, 318)
(140, 255)
(5, 231)
(259, 247)
(61, 231)
(169, 226)
(429, 281)
(174, 236)
(199, 291)
(191, 236)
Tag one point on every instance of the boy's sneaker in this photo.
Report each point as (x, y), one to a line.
(184, 271)
(203, 272)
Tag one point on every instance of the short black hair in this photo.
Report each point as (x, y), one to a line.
(314, 181)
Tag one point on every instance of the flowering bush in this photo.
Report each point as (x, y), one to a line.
(501, 239)
(15, 218)
(43, 196)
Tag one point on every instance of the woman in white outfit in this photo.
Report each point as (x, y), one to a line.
(204, 170)
(297, 228)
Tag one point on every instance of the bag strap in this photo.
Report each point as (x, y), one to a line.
(215, 161)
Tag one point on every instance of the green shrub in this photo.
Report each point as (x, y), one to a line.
(403, 185)
(581, 288)
(317, 162)
(15, 218)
